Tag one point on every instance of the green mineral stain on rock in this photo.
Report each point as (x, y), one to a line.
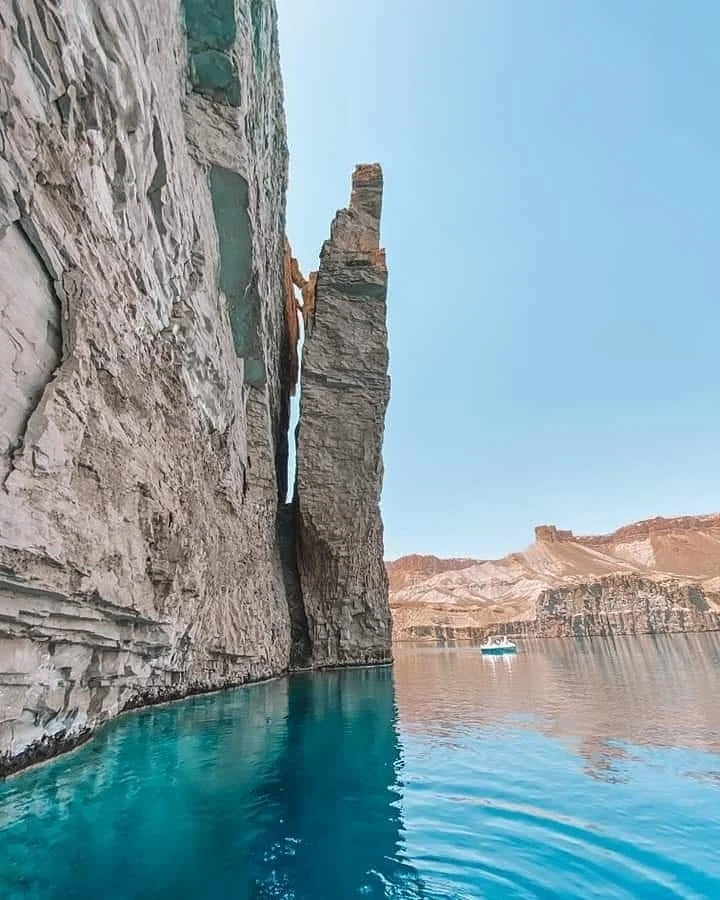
(256, 16)
(211, 69)
(255, 372)
(230, 198)
(210, 24)
(213, 73)
(230, 204)
(211, 30)
(698, 600)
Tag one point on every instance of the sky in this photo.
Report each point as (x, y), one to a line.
(551, 206)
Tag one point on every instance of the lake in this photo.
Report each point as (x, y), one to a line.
(576, 769)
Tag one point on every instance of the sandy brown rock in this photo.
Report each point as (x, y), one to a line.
(656, 575)
(345, 391)
(414, 569)
(308, 288)
(292, 310)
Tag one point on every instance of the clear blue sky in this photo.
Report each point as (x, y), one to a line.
(552, 196)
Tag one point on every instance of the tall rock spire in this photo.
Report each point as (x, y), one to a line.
(345, 392)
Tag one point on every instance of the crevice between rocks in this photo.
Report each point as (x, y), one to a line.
(287, 537)
(287, 530)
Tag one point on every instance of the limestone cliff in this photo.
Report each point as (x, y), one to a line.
(652, 576)
(147, 357)
(345, 391)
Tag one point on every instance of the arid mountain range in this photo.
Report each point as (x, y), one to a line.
(660, 574)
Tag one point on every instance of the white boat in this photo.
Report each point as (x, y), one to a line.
(497, 644)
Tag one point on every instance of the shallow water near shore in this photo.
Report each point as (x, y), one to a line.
(576, 769)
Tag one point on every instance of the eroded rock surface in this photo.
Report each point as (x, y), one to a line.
(624, 604)
(345, 391)
(613, 605)
(655, 576)
(30, 345)
(143, 358)
(148, 354)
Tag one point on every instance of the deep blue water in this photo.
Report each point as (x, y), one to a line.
(577, 769)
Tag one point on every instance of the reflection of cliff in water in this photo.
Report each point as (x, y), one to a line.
(288, 789)
(602, 692)
(158, 804)
(336, 787)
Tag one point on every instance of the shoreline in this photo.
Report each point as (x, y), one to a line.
(63, 744)
(476, 639)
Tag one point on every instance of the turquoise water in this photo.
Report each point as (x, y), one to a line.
(576, 769)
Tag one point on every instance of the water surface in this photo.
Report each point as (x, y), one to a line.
(576, 769)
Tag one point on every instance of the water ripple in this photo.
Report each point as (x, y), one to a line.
(542, 778)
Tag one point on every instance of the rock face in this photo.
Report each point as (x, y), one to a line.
(141, 244)
(413, 570)
(652, 576)
(147, 361)
(624, 604)
(345, 391)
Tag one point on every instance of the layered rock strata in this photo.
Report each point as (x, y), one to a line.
(657, 575)
(345, 391)
(614, 605)
(147, 360)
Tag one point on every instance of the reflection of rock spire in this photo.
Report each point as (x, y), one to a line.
(345, 391)
(341, 742)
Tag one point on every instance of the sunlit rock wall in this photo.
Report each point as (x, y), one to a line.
(612, 605)
(345, 392)
(143, 411)
(624, 604)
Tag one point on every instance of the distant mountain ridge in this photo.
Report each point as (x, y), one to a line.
(671, 564)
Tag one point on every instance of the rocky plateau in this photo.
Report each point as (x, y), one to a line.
(658, 575)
